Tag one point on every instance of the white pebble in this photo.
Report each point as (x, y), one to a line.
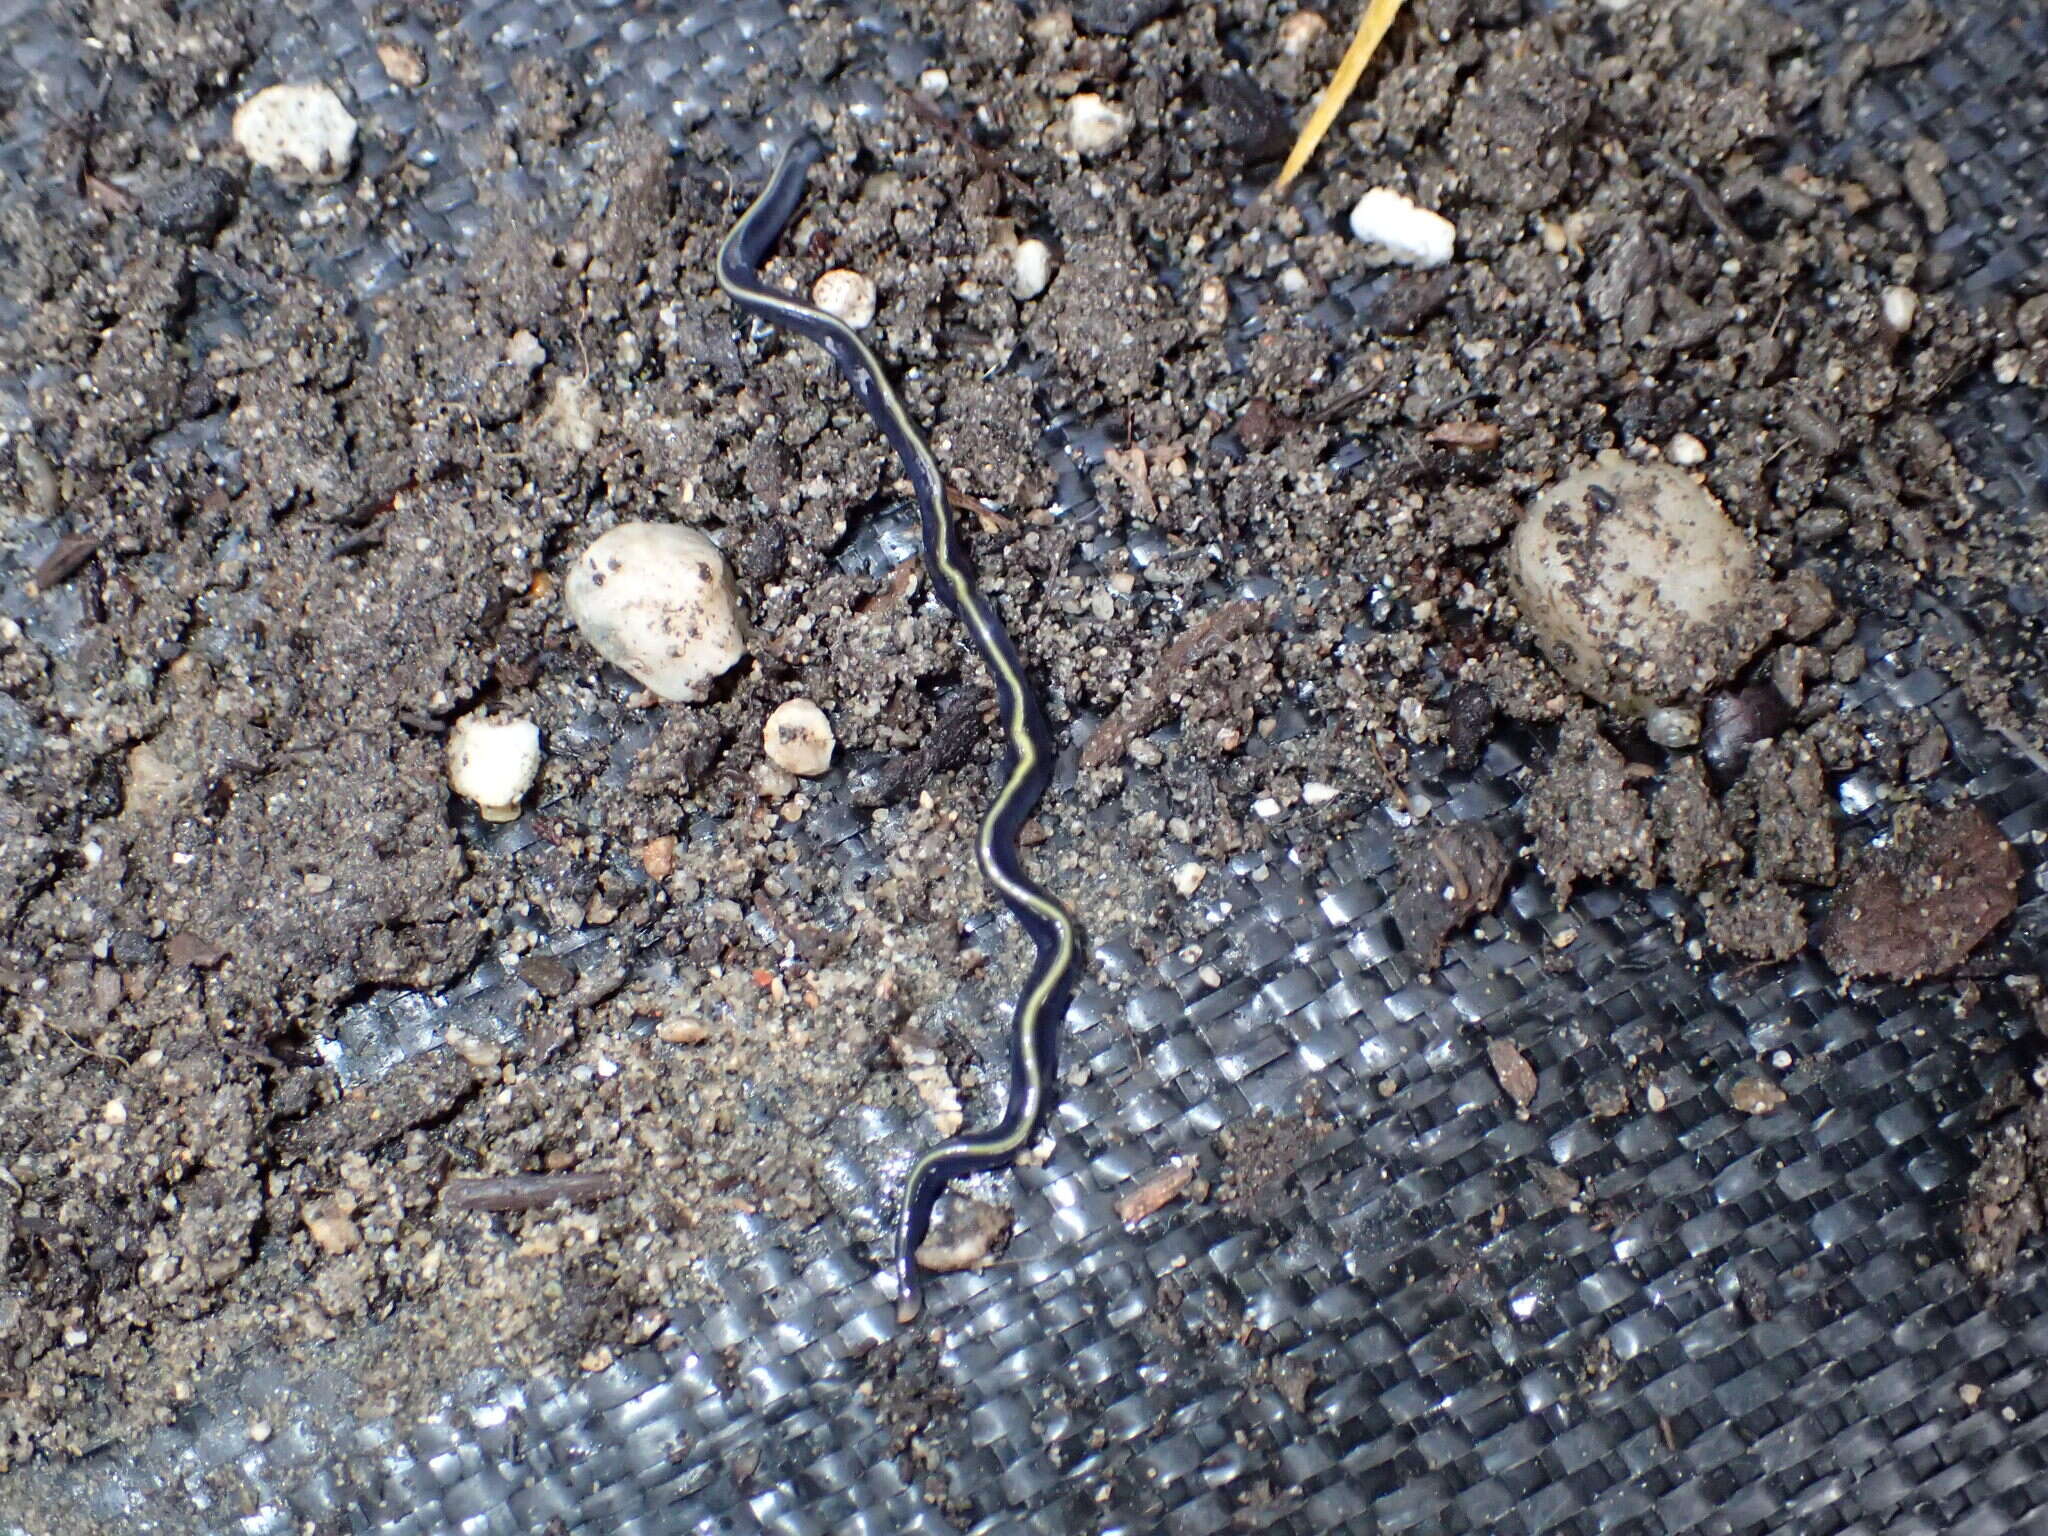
(848, 294)
(1030, 269)
(1685, 450)
(1266, 808)
(1315, 792)
(1900, 305)
(525, 352)
(1672, 727)
(493, 763)
(1396, 230)
(1189, 877)
(934, 81)
(657, 601)
(798, 739)
(1094, 127)
(300, 131)
(1301, 32)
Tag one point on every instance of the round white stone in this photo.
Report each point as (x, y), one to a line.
(1095, 127)
(849, 295)
(493, 763)
(798, 739)
(1634, 580)
(1900, 304)
(1030, 269)
(1685, 450)
(300, 131)
(658, 602)
(1300, 32)
(1397, 230)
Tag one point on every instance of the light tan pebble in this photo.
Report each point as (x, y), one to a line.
(1189, 877)
(658, 857)
(155, 782)
(300, 132)
(328, 1223)
(657, 600)
(403, 65)
(114, 1112)
(926, 1068)
(773, 783)
(1685, 450)
(798, 739)
(259, 1431)
(971, 1231)
(1030, 269)
(848, 294)
(1095, 126)
(572, 417)
(681, 1032)
(478, 1052)
(1300, 32)
(934, 81)
(1899, 305)
(1756, 1096)
(493, 763)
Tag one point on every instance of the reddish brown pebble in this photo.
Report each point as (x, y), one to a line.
(190, 949)
(1162, 1189)
(1517, 1077)
(1919, 907)
(658, 857)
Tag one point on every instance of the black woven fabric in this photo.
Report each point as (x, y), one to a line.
(1454, 1319)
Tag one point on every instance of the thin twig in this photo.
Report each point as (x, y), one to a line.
(1365, 42)
(529, 1191)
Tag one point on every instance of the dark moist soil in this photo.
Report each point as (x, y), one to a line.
(221, 739)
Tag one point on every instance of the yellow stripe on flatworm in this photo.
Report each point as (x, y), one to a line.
(1365, 42)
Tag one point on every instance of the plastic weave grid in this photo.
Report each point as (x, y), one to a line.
(1696, 1321)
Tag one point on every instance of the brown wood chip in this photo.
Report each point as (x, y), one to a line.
(65, 561)
(1482, 436)
(1517, 1077)
(1158, 1191)
(1146, 707)
(529, 1191)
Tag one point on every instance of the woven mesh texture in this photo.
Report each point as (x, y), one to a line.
(1453, 1318)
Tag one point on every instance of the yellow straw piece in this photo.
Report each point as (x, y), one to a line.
(1365, 42)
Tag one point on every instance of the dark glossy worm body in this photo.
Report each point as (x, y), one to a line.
(1035, 1027)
